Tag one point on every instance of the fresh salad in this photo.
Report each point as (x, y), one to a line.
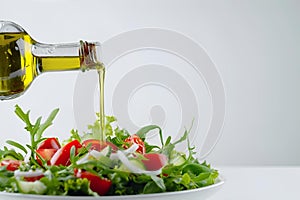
(82, 165)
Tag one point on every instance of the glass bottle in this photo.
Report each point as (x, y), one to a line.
(22, 59)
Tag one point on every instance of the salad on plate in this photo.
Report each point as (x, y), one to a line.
(82, 165)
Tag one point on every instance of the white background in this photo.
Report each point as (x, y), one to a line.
(254, 44)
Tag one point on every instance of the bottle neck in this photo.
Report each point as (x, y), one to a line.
(64, 57)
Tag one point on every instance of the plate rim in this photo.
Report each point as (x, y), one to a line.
(219, 182)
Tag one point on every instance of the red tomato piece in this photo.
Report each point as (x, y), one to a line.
(34, 178)
(99, 145)
(137, 140)
(46, 154)
(97, 184)
(155, 161)
(11, 165)
(50, 143)
(62, 155)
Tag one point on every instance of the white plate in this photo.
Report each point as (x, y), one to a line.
(200, 193)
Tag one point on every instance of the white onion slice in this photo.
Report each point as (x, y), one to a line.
(29, 173)
(131, 149)
(96, 154)
(84, 159)
(114, 156)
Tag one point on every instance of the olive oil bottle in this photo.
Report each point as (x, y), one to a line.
(22, 59)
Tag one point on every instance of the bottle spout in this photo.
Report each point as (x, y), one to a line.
(90, 54)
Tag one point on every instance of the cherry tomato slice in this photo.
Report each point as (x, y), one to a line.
(33, 178)
(11, 165)
(137, 140)
(46, 154)
(154, 161)
(97, 184)
(49, 143)
(62, 155)
(99, 145)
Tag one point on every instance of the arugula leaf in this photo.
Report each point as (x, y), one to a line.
(23, 116)
(169, 147)
(72, 154)
(46, 124)
(10, 153)
(35, 130)
(18, 145)
(75, 135)
(144, 130)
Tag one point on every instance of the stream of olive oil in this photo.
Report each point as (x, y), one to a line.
(101, 76)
